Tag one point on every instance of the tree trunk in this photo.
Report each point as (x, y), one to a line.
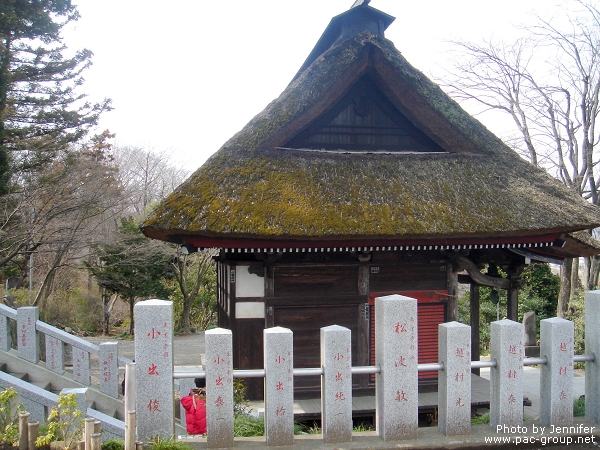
(575, 280)
(131, 325)
(105, 311)
(592, 267)
(184, 320)
(565, 287)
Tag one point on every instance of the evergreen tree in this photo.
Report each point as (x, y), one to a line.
(40, 108)
(133, 266)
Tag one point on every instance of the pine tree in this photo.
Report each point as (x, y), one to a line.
(41, 110)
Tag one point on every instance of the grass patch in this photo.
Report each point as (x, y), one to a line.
(579, 407)
(162, 443)
(248, 426)
(479, 420)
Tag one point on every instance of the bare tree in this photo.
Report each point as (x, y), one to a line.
(146, 175)
(55, 212)
(549, 84)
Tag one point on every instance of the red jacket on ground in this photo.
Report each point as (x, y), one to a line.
(195, 413)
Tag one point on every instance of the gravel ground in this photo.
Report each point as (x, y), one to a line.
(188, 348)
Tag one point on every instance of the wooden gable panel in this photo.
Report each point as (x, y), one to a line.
(364, 120)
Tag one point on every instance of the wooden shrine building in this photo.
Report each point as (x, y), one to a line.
(364, 178)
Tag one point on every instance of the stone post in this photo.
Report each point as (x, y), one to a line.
(219, 388)
(454, 383)
(109, 368)
(506, 400)
(81, 398)
(27, 344)
(279, 386)
(396, 353)
(592, 347)
(556, 387)
(154, 369)
(81, 366)
(336, 384)
(5, 340)
(55, 355)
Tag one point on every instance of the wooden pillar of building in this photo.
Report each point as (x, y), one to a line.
(269, 294)
(364, 340)
(452, 282)
(474, 303)
(512, 297)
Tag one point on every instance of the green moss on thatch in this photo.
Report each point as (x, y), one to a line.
(250, 188)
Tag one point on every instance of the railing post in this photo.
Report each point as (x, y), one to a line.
(154, 369)
(336, 384)
(219, 388)
(81, 395)
(556, 386)
(28, 349)
(506, 400)
(5, 339)
(592, 347)
(279, 386)
(454, 382)
(55, 355)
(81, 366)
(396, 353)
(109, 368)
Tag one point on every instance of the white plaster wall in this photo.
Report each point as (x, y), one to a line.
(248, 284)
(250, 310)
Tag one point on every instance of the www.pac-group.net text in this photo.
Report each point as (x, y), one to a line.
(550, 435)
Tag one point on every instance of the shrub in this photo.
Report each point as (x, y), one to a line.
(482, 419)
(65, 423)
(246, 426)
(241, 406)
(9, 417)
(113, 444)
(579, 406)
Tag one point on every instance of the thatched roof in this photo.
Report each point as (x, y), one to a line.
(255, 192)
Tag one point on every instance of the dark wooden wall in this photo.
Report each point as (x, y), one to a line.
(305, 295)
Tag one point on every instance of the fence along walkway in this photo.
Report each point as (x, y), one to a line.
(396, 380)
(22, 325)
(28, 326)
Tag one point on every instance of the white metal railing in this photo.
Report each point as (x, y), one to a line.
(369, 370)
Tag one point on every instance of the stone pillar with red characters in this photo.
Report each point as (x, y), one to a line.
(506, 400)
(396, 353)
(219, 388)
(154, 369)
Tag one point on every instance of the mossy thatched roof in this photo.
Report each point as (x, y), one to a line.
(253, 189)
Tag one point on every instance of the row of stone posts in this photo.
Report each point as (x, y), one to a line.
(396, 347)
(28, 349)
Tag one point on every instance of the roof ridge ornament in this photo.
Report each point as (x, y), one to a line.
(360, 3)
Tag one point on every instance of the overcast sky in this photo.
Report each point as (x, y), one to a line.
(186, 75)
